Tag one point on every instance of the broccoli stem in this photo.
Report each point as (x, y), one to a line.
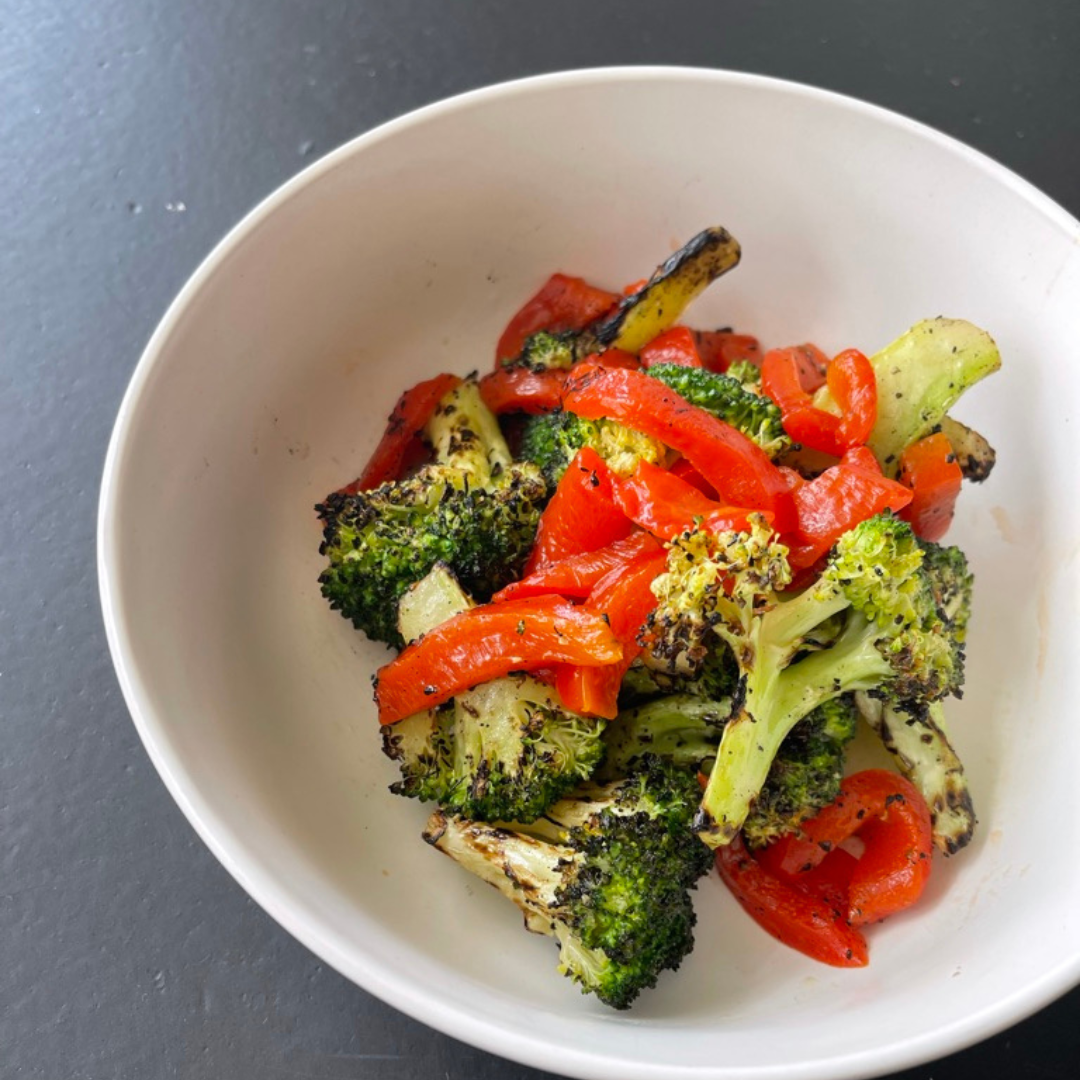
(776, 700)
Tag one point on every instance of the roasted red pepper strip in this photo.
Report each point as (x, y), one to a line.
(929, 467)
(582, 514)
(674, 346)
(837, 500)
(412, 411)
(625, 598)
(798, 919)
(563, 303)
(853, 386)
(740, 471)
(667, 506)
(576, 575)
(891, 817)
(522, 390)
(486, 643)
(719, 349)
(685, 471)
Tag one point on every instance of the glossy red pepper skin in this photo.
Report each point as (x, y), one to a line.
(837, 500)
(486, 643)
(668, 506)
(674, 346)
(740, 471)
(563, 303)
(799, 919)
(582, 515)
(624, 598)
(413, 410)
(719, 349)
(576, 576)
(685, 471)
(929, 467)
(853, 387)
(521, 390)
(887, 812)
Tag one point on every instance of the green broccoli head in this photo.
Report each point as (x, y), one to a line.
(805, 774)
(473, 508)
(747, 374)
(550, 442)
(726, 398)
(545, 350)
(503, 751)
(869, 622)
(607, 872)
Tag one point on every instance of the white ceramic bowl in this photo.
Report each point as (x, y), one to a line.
(403, 254)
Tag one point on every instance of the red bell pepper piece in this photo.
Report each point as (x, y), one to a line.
(890, 816)
(837, 500)
(853, 386)
(685, 471)
(576, 575)
(625, 599)
(582, 514)
(740, 471)
(719, 349)
(613, 358)
(563, 303)
(674, 346)
(486, 643)
(929, 467)
(522, 390)
(796, 917)
(413, 410)
(668, 506)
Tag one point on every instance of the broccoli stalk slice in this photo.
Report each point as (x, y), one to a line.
(466, 436)
(606, 872)
(914, 735)
(920, 376)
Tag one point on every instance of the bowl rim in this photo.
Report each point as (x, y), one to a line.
(453, 1017)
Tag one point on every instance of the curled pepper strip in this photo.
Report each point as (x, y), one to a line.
(852, 384)
(837, 500)
(667, 505)
(582, 515)
(740, 471)
(577, 575)
(413, 410)
(796, 917)
(486, 643)
(624, 598)
(891, 817)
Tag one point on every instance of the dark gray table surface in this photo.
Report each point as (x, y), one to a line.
(133, 134)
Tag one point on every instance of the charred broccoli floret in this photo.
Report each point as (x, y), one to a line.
(725, 397)
(607, 872)
(504, 750)
(726, 587)
(912, 729)
(686, 731)
(473, 508)
(550, 442)
(805, 774)
(747, 374)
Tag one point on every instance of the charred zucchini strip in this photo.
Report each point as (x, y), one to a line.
(659, 303)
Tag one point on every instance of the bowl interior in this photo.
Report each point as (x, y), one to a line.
(403, 255)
